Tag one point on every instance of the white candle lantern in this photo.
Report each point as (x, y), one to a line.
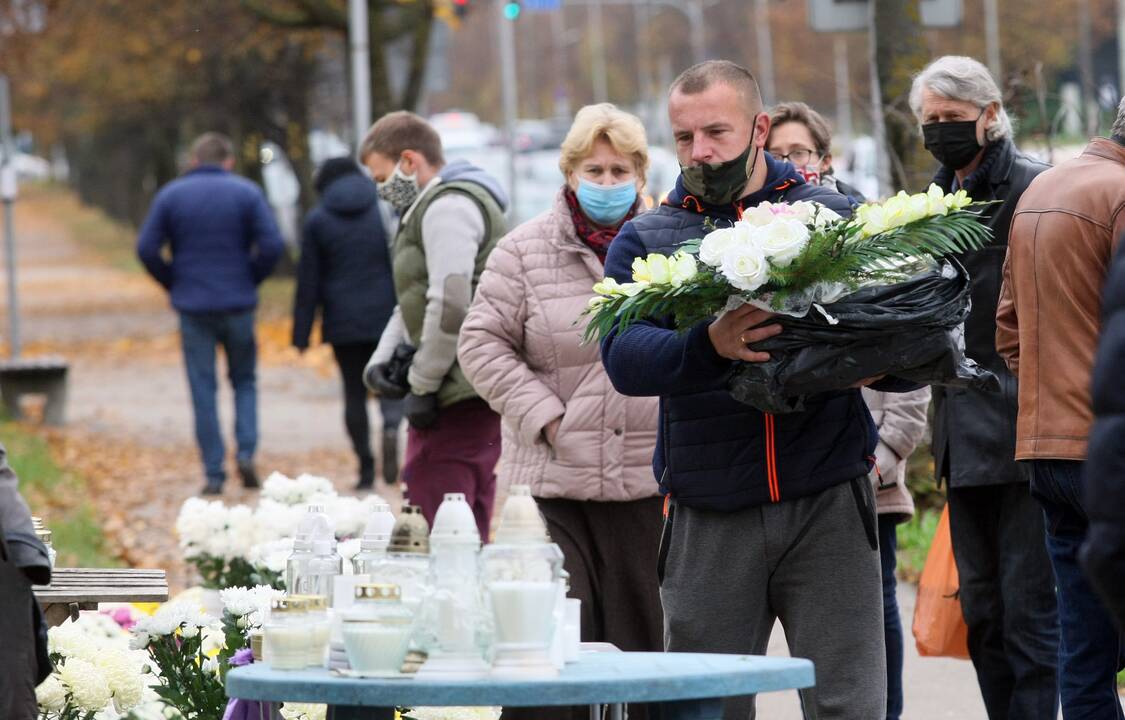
(520, 575)
(407, 565)
(376, 537)
(453, 613)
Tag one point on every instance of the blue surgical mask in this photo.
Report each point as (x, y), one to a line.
(606, 204)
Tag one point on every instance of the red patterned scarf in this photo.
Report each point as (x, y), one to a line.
(597, 238)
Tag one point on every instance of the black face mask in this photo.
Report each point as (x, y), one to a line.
(953, 144)
(723, 182)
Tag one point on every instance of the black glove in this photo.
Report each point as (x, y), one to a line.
(379, 380)
(421, 410)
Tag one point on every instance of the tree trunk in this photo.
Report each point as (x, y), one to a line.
(900, 52)
(419, 54)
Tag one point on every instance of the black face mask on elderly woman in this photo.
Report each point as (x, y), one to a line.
(953, 144)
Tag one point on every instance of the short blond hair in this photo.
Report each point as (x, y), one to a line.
(604, 121)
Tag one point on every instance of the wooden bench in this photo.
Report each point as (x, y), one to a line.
(35, 376)
(74, 589)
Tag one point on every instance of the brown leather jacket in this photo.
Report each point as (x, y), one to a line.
(1062, 239)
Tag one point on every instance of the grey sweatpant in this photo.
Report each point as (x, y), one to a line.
(728, 576)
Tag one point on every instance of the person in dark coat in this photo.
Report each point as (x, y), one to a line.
(1007, 586)
(345, 272)
(1103, 553)
(768, 516)
(224, 242)
(23, 561)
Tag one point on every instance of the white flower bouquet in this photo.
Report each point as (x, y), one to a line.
(243, 546)
(871, 278)
(189, 657)
(96, 672)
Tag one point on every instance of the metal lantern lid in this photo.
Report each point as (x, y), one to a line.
(378, 591)
(411, 533)
(310, 602)
(286, 605)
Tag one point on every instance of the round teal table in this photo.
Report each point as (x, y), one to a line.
(689, 685)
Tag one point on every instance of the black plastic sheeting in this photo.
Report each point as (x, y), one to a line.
(911, 330)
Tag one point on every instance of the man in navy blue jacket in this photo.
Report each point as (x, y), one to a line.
(224, 243)
(768, 516)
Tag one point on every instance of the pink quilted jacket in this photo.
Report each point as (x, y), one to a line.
(521, 348)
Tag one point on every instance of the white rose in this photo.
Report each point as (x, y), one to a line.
(801, 210)
(51, 695)
(783, 240)
(716, 244)
(745, 267)
(825, 215)
(760, 215)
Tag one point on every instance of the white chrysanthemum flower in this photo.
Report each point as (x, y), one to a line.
(123, 673)
(51, 695)
(87, 684)
(303, 711)
(271, 555)
(71, 641)
(456, 713)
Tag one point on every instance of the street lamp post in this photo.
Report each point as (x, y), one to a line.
(8, 195)
(360, 51)
(509, 92)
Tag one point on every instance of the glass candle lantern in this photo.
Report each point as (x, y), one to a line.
(285, 637)
(313, 524)
(520, 575)
(317, 625)
(452, 615)
(376, 537)
(377, 629)
(407, 565)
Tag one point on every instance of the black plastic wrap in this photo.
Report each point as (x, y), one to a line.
(911, 330)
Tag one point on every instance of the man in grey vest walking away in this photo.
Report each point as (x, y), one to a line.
(450, 218)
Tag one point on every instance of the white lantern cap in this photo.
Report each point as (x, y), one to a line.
(454, 521)
(313, 524)
(377, 531)
(520, 521)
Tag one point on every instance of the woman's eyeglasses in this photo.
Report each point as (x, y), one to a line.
(797, 156)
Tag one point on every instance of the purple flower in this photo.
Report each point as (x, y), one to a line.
(245, 656)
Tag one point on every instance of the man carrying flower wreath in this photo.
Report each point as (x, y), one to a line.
(768, 516)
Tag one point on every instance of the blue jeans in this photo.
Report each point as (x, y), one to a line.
(1089, 646)
(892, 622)
(201, 333)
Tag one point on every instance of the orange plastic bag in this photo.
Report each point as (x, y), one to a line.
(939, 626)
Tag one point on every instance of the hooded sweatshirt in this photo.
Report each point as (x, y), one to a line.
(345, 268)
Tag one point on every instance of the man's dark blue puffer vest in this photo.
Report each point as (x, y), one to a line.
(713, 452)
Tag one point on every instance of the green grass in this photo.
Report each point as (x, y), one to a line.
(58, 497)
(914, 539)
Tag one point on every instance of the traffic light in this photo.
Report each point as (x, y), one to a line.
(460, 8)
(512, 9)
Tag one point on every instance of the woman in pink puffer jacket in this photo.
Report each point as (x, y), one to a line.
(585, 450)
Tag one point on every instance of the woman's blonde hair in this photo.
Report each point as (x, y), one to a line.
(623, 131)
